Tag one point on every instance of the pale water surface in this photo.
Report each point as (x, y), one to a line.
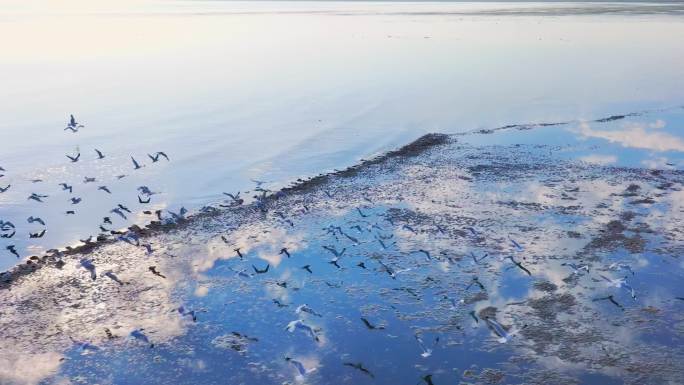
(277, 90)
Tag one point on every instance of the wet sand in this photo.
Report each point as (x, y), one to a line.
(431, 235)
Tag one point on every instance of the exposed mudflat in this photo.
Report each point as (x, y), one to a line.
(474, 263)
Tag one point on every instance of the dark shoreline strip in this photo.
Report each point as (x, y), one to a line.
(54, 257)
(529, 126)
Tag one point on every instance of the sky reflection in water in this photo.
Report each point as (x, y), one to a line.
(567, 200)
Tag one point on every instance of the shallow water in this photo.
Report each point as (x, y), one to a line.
(463, 196)
(536, 154)
(276, 91)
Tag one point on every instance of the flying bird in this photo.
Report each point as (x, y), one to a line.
(3, 189)
(359, 366)
(88, 265)
(334, 262)
(118, 211)
(73, 125)
(478, 260)
(74, 159)
(75, 201)
(37, 235)
(427, 352)
(37, 197)
(105, 189)
(519, 264)
(141, 201)
(620, 282)
(611, 299)
(476, 281)
(306, 309)
(148, 248)
(576, 269)
(621, 266)
(190, 313)
(154, 271)
(299, 366)
(136, 165)
(284, 251)
(427, 254)
(100, 155)
(516, 244)
(427, 379)
(139, 335)
(33, 219)
(333, 250)
(280, 304)
(12, 249)
(155, 157)
(146, 190)
(265, 270)
(236, 198)
(88, 180)
(503, 335)
(109, 274)
(371, 326)
(66, 187)
(299, 324)
(180, 216)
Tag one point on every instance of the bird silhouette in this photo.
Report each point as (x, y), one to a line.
(37, 235)
(427, 379)
(75, 158)
(33, 219)
(136, 165)
(12, 249)
(73, 125)
(118, 211)
(359, 366)
(88, 265)
(154, 271)
(100, 155)
(37, 197)
(139, 335)
(66, 187)
(262, 271)
(371, 326)
(109, 274)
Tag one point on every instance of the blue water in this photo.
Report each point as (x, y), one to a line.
(277, 91)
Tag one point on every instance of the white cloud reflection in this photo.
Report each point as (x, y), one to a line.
(635, 136)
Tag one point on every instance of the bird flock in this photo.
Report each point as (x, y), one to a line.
(72, 202)
(341, 241)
